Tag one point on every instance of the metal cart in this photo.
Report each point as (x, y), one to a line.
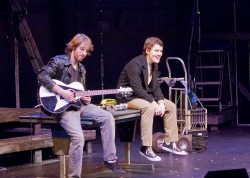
(191, 120)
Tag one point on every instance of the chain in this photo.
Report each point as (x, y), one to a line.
(101, 46)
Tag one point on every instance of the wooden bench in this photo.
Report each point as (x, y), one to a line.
(126, 121)
(38, 140)
(11, 114)
(24, 143)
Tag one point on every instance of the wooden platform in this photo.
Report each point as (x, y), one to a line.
(12, 114)
(214, 119)
(24, 143)
(34, 139)
(43, 140)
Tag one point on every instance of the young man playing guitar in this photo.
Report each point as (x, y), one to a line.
(67, 68)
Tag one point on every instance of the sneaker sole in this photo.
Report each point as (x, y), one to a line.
(148, 158)
(182, 153)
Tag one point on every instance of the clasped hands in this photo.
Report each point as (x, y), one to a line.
(160, 110)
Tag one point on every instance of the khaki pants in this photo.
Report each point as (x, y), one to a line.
(147, 117)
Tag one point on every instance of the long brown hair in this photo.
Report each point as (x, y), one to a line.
(76, 41)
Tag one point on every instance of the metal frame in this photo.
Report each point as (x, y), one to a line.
(184, 82)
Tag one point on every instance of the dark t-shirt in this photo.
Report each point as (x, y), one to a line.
(74, 74)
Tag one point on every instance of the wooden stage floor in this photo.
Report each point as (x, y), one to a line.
(228, 149)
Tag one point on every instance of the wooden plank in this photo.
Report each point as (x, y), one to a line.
(12, 114)
(24, 143)
(119, 116)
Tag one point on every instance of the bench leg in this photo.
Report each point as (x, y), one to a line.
(128, 165)
(37, 157)
(63, 166)
(88, 147)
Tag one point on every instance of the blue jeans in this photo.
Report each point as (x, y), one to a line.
(71, 122)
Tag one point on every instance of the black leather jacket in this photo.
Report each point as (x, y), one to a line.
(135, 75)
(58, 68)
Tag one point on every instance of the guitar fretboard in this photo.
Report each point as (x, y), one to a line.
(96, 92)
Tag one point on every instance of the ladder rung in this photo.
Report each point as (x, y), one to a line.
(207, 83)
(209, 99)
(209, 67)
(215, 105)
(211, 51)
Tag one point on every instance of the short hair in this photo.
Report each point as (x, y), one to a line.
(150, 42)
(76, 41)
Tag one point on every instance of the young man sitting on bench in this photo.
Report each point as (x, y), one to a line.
(67, 68)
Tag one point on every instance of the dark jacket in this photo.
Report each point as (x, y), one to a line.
(58, 68)
(135, 75)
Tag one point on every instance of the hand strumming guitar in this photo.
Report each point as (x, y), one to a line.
(66, 94)
(69, 95)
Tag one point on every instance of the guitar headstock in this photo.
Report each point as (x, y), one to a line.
(125, 91)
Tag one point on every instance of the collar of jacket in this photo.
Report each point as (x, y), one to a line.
(145, 64)
(68, 63)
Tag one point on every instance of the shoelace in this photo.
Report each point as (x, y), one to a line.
(149, 151)
(175, 147)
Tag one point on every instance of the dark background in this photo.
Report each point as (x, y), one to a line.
(118, 29)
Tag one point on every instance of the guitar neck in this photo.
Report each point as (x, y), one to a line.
(96, 92)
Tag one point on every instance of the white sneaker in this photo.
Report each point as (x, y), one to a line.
(149, 154)
(172, 148)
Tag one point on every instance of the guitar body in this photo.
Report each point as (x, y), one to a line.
(53, 103)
